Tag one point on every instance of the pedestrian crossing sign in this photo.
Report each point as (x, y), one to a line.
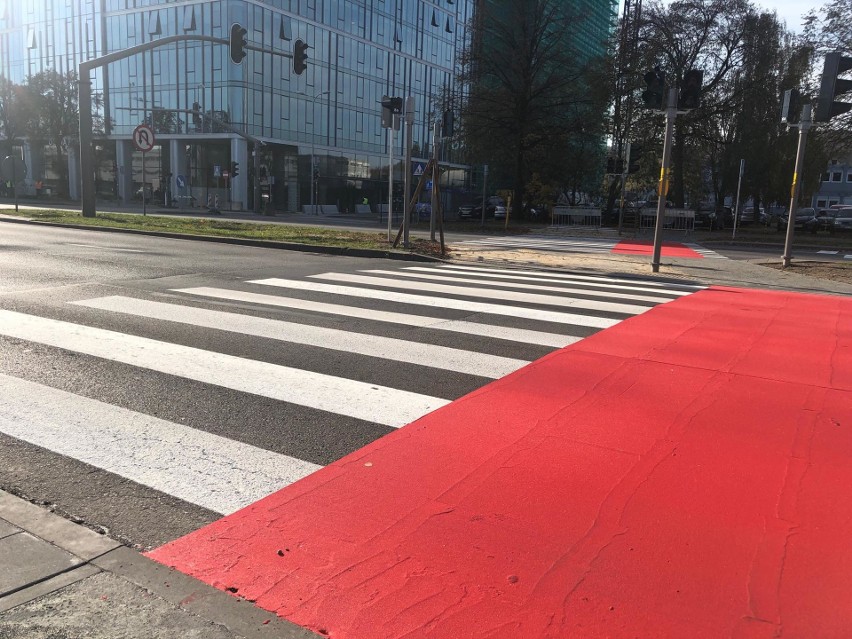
(418, 169)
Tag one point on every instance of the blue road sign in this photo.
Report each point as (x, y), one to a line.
(418, 169)
(181, 182)
(429, 185)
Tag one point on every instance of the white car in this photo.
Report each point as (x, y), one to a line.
(499, 212)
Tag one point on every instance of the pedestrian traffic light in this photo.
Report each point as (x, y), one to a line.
(652, 96)
(235, 169)
(791, 107)
(448, 123)
(832, 86)
(635, 156)
(690, 90)
(390, 106)
(196, 113)
(238, 43)
(300, 57)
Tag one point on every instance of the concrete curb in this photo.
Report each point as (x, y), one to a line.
(287, 246)
(98, 553)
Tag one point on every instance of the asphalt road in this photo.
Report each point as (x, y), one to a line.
(151, 385)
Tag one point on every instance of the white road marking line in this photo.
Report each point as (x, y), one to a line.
(444, 302)
(828, 252)
(508, 296)
(106, 248)
(490, 331)
(419, 273)
(566, 280)
(213, 472)
(352, 398)
(670, 287)
(441, 357)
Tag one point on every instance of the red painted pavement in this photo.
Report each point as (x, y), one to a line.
(643, 247)
(685, 474)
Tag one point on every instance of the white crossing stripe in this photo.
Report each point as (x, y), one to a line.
(545, 243)
(453, 359)
(705, 252)
(361, 400)
(490, 331)
(828, 252)
(213, 472)
(509, 296)
(527, 287)
(521, 276)
(444, 302)
(669, 287)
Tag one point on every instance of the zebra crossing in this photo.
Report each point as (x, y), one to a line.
(552, 244)
(304, 369)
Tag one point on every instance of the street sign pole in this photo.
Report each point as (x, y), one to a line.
(804, 127)
(662, 190)
(436, 173)
(144, 205)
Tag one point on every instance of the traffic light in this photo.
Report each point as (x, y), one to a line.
(235, 169)
(652, 96)
(196, 113)
(390, 106)
(448, 123)
(690, 90)
(832, 86)
(791, 108)
(635, 156)
(238, 42)
(300, 57)
(614, 165)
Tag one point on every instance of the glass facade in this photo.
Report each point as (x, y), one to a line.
(359, 51)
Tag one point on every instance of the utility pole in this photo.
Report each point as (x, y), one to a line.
(484, 190)
(804, 126)
(662, 190)
(737, 203)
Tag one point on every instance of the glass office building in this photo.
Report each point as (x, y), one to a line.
(327, 117)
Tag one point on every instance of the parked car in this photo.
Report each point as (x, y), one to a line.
(500, 212)
(465, 212)
(491, 205)
(423, 210)
(749, 216)
(835, 220)
(714, 219)
(805, 220)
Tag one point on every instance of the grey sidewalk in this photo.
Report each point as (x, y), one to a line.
(59, 580)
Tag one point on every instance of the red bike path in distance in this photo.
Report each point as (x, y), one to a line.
(685, 473)
(646, 247)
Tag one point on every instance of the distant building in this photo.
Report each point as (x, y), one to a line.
(836, 185)
(330, 114)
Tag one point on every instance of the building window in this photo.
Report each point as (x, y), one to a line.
(434, 18)
(32, 42)
(849, 176)
(154, 27)
(836, 176)
(285, 31)
(189, 18)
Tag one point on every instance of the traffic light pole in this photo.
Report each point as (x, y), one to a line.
(662, 190)
(390, 176)
(804, 127)
(409, 134)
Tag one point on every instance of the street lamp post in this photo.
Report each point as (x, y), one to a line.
(313, 167)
